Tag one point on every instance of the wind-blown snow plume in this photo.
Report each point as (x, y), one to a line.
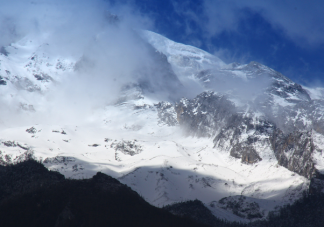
(104, 51)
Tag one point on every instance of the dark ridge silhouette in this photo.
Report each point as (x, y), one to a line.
(33, 196)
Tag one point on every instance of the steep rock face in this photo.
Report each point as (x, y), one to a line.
(251, 137)
(167, 113)
(242, 137)
(263, 90)
(294, 151)
(304, 115)
(209, 115)
(204, 115)
(279, 116)
(245, 134)
(247, 153)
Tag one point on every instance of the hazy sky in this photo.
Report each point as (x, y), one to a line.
(286, 35)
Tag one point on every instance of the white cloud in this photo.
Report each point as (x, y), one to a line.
(109, 55)
(301, 21)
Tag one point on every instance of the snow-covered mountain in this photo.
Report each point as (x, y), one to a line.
(243, 139)
(184, 59)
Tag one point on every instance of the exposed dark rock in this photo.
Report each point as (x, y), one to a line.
(247, 153)
(3, 82)
(166, 113)
(43, 77)
(242, 207)
(59, 160)
(31, 130)
(3, 159)
(126, 147)
(7, 159)
(287, 133)
(62, 132)
(22, 147)
(204, 115)
(230, 137)
(294, 151)
(273, 87)
(9, 143)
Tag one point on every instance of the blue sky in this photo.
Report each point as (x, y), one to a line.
(287, 36)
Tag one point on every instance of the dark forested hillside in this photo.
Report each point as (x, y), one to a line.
(30, 195)
(306, 212)
(33, 196)
(197, 211)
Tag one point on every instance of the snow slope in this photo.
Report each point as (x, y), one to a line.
(186, 60)
(165, 166)
(128, 140)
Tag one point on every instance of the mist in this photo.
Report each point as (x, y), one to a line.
(107, 52)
